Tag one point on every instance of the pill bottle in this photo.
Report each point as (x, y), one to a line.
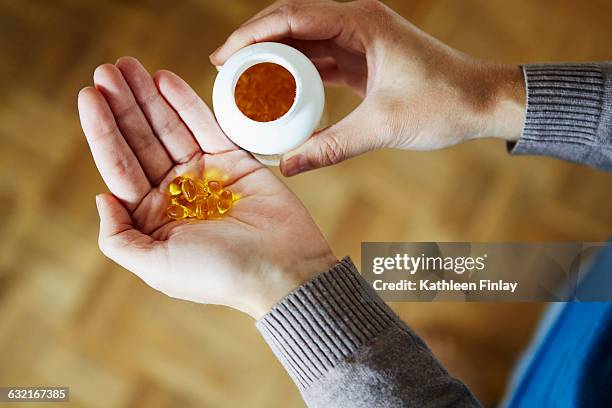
(268, 99)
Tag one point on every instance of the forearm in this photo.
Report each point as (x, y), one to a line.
(344, 347)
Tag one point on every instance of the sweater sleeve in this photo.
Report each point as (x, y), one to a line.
(344, 347)
(569, 113)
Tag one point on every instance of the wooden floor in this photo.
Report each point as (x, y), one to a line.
(70, 317)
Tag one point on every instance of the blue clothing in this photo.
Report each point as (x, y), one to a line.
(571, 365)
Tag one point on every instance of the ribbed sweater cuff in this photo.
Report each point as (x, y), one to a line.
(564, 108)
(325, 321)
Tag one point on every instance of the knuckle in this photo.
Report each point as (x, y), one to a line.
(241, 34)
(288, 10)
(372, 5)
(375, 12)
(331, 150)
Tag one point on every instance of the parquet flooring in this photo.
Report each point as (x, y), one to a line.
(70, 317)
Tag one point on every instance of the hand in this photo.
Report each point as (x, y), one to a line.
(143, 132)
(419, 93)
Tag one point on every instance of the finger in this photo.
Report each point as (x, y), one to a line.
(164, 121)
(318, 21)
(193, 111)
(125, 245)
(132, 122)
(358, 133)
(115, 160)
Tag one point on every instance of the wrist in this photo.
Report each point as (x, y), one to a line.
(503, 99)
(282, 280)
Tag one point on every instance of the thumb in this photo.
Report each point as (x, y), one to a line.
(114, 218)
(120, 241)
(352, 136)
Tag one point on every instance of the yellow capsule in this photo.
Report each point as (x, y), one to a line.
(189, 206)
(201, 211)
(226, 194)
(189, 189)
(214, 186)
(174, 189)
(211, 202)
(201, 189)
(195, 198)
(176, 212)
(224, 205)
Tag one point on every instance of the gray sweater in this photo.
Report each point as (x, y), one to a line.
(344, 347)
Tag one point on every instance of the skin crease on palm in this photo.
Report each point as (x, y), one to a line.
(145, 131)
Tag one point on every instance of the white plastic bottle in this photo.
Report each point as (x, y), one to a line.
(268, 140)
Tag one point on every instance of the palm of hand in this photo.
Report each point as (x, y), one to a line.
(143, 134)
(224, 252)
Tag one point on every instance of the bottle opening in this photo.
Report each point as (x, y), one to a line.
(265, 92)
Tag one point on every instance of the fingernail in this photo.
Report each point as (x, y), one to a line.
(294, 165)
(98, 200)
